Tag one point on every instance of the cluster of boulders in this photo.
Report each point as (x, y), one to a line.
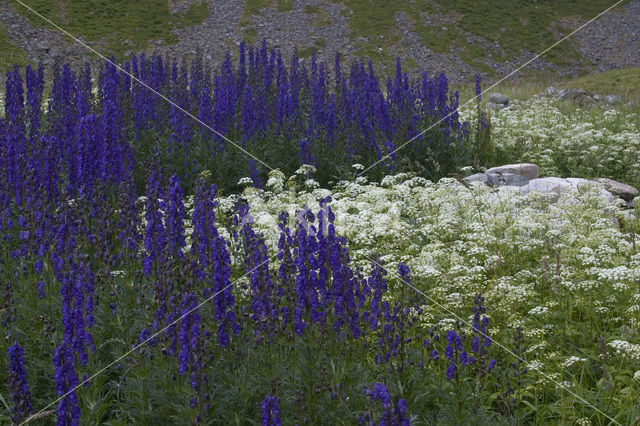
(580, 96)
(497, 101)
(524, 177)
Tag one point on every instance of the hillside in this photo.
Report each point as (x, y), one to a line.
(459, 37)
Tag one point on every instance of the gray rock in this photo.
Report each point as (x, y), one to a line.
(499, 98)
(477, 177)
(612, 99)
(622, 190)
(492, 106)
(580, 183)
(551, 91)
(527, 170)
(554, 185)
(44, 45)
(628, 216)
(506, 179)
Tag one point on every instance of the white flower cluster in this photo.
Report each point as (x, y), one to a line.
(539, 310)
(543, 133)
(573, 360)
(626, 349)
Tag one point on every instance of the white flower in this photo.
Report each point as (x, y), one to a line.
(539, 310)
(573, 360)
(245, 181)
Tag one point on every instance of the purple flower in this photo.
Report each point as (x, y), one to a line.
(451, 371)
(66, 382)
(19, 394)
(270, 411)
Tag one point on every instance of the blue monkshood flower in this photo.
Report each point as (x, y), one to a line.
(491, 365)
(448, 353)
(379, 392)
(394, 412)
(154, 237)
(19, 395)
(464, 358)
(270, 411)
(174, 223)
(144, 335)
(66, 381)
(40, 288)
(434, 355)
(451, 371)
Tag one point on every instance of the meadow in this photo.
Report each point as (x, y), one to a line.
(154, 273)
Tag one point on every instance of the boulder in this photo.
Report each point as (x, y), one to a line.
(492, 106)
(612, 99)
(477, 177)
(499, 98)
(527, 170)
(554, 185)
(578, 183)
(506, 179)
(628, 217)
(622, 190)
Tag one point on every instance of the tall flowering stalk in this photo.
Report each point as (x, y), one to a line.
(213, 262)
(69, 412)
(19, 395)
(270, 411)
(394, 412)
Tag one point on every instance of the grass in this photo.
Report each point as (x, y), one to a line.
(623, 83)
(196, 14)
(285, 5)
(312, 8)
(9, 53)
(112, 22)
(250, 35)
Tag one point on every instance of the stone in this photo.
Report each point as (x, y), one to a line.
(628, 216)
(499, 98)
(529, 171)
(44, 45)
(546, 185)
(579, 183)
(619, 189)
(551, 91)
(492, 106)
(477, 177)
(506, 179)
(612, 99)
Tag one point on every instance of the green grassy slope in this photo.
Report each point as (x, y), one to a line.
(9, 53)
(113, 21)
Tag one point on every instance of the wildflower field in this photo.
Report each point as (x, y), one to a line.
(258, 252)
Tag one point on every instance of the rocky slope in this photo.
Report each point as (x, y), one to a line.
(610, 42)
